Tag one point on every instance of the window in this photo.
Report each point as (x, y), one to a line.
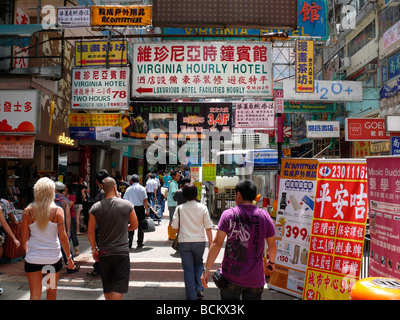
(6, 12)
(360, 40)
(388, 17)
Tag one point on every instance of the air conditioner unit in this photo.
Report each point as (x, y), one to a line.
(371, 68)
(247, 141)
(345, 63)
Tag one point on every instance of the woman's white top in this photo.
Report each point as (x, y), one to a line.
(194, 219)
(43, 245)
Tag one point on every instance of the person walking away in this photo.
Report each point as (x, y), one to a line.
(72, 199)
(246, 227)
(4, 231)
(151, 188)
(78, 190)
(173, 187)
(114, 217)
(191, 219)
(178, 196)
(136, 194)
(43, 231)
(121, 184)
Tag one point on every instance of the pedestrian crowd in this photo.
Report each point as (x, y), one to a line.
(51, 223)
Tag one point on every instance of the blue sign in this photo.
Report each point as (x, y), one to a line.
(394, 65)
(312, 22)
(395, 145)
(82, 133)
(387, 92)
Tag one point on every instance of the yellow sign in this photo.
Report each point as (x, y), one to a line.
(94, 53)
(209, 172)
(121, 15)
(65, 140)
(94, 119)
(304, 66)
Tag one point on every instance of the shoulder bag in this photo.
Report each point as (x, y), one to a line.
(175, 242)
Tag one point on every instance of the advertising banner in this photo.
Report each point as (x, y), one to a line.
(365, 129)
(255, 115)
(100, 88)
(174, 117)
(384, 216)
(20, 147)
(304, 66)
(338, 229)
(94, 119)
(323, 129)
(202, 69)
(19, 111)
(94, 53)
(293, 224)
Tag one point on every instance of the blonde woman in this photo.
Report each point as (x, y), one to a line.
(43, 231)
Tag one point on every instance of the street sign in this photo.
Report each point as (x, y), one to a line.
(94, 53)
(368, 129)
(100, 88)
(304, 66)
(202, 69)
(325, 91)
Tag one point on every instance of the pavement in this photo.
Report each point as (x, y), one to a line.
(156, 274)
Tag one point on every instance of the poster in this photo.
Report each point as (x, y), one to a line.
(209, 172)
(338, 229)
(20, 147)
(100, 88)
(293, 224)
(384, 216)
(202, 69)
(255, 115)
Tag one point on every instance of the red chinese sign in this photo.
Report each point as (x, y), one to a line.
(20, 53)
(367, 129)
(310, 12)
(338, 229)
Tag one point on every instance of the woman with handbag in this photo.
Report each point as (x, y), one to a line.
(189, 221)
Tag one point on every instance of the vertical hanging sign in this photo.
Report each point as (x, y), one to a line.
(338, 229)
(304, 66)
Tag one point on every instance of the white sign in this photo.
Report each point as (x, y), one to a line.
(325, 91)
(199, 69)
(20, 53)
(108, 133)
(255, 114)
(73, 17)
(100, 88)
(323, 129)
(19, 111)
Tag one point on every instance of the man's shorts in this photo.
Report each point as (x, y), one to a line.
(115, 270)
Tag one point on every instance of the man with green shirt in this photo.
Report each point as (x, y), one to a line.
(173, 187)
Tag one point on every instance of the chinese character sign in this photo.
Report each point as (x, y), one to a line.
(95, 53)
(293, 224)
(121, 15)
(19, 111)
(384, 216)
(209, 171)
(338, 228)
(199, 69)
(100, 89)
(21, 54)
(255, 114)
(304, 66)
(20, 147)
(73, 17)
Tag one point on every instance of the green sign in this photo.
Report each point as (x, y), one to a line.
(310, 107)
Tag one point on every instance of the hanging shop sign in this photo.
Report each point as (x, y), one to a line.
(387, 92)
(384, 216)
(94, 119)
(338, 229)
(96, 53)
(380, 147)
(304, 66)
(323, 129)
(312, 22)
(20, 111)
(325, 91)
(19, 147)
(391, 35)
(255, 115)
(100, 88)
(74, 17)
(96, 133)
(173, 117)
(198, 69)
(293, 224)
(395, 145)
(121, 16)
(310, 107)
(361, 149)
(209, 172)
(21, 53)
(365, 129)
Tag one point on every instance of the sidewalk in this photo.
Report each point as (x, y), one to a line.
(156, 274)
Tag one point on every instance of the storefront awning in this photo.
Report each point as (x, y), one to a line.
(17, 34)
